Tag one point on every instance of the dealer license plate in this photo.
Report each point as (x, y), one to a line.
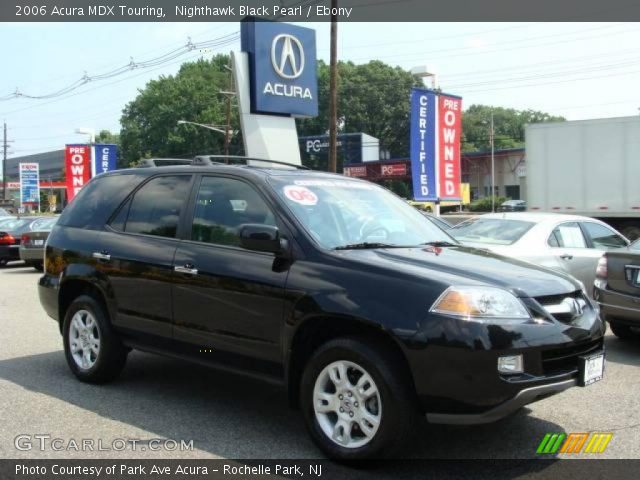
(38, 243)
(591, 368)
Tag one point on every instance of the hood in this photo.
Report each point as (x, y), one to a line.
(463, 265)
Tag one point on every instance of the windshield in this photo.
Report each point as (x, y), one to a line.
(497, 231)
(344, 213)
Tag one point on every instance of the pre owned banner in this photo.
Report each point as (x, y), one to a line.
(105, 160)
(436, 124)
(449, 129)
(78, 168)
(29, 184)
(423, 144)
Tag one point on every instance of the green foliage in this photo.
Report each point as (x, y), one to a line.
(484, 204)
(150, 122)
(508, 125)
(372, 98)
(105, 136)
(398, 187)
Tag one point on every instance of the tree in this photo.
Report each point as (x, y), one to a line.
(150, 122)
(508, 125)
(105, 136)
(372, 98)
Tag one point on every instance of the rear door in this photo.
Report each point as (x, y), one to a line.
(136, 253)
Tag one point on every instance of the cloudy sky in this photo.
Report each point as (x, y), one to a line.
(578, 70)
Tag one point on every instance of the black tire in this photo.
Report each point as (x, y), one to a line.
(111, 356)
(3, 262)
(39, 266)
(397, 413)
(623, 332)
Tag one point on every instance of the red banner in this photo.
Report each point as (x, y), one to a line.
(449, 130)
(78, 168)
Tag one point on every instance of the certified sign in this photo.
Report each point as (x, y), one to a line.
(282, 66)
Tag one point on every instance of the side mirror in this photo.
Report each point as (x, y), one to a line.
(262, 238)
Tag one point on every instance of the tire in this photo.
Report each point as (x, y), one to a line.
(623, 332)
(39, 266)
(378, 425)
(3, 262)
(86, 321)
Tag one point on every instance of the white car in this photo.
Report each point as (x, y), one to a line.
(568, 243)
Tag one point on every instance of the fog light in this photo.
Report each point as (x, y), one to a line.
(510, 364)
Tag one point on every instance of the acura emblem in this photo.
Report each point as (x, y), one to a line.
(291, 63)
(576, 307)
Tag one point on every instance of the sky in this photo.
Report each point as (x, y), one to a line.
(577, 70)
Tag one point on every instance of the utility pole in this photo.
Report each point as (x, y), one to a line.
(227, 129)
(333, 89)
(493, 176)
(5, 144)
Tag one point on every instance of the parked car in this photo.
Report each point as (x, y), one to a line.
(568, 243)
(32, 243)
(437, 221)
(513, 206)
(332, 287)
(617, 290)
(11, 231)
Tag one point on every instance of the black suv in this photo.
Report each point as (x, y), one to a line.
(332, 287)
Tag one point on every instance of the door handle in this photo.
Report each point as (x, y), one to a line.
(566, 256)
(102, 256)
(186, 269)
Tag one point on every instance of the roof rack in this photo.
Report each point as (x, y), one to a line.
(211, 160)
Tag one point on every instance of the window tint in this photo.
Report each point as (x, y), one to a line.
(603, 237)
(222, 206)
(155, 208)
(97, 200)
(567, 235)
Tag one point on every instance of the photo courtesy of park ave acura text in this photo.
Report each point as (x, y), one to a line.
(344, 239)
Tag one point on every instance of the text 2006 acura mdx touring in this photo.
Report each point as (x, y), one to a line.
(333, 287)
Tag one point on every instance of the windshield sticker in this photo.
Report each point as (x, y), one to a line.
(301, 195)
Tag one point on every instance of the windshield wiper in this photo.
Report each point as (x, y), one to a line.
(367, 245)
(441, 243)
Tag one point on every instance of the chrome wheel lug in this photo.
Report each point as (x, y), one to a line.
(350, 394)
(356, 404)
(340, 397)
(341, 410)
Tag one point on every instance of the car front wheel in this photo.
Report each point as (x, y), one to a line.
(94, 352)
(355, 403)
(622, 331)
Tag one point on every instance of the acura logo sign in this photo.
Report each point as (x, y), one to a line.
(290, 63)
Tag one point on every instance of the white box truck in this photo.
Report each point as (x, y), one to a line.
(586, 167)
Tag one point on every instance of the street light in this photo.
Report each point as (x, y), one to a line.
(423, 72)
(227, 132)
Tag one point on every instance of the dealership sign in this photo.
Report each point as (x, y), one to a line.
(78, 168)
(436, 123)
(282, 66)
(105, 158)
(29, 184)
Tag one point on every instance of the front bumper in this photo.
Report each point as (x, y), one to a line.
(455, 364)
(522, 398)
(618, 307)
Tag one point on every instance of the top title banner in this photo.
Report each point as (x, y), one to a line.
(316, 10)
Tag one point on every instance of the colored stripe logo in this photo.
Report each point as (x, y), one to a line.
(552, 443)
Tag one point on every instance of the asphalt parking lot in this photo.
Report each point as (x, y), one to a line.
(232, 417)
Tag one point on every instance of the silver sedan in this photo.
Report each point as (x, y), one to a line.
(568, 243)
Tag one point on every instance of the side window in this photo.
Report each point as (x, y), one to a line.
(567, 235)
(222, 206)
(603, 237)
(155, 208)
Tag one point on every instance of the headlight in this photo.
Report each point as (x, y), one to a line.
(479, 303)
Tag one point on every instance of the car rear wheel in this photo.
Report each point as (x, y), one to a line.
(94, 352)
(3, 262)
(355, 403)
(622, 331)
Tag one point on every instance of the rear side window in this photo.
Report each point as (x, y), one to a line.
(603, 237)
(95, 203)
(155, 209)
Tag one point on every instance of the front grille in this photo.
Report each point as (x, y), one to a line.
(553, 305)
(562, 360)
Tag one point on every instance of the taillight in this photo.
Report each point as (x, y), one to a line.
(24, 238)
(601, 269)
(6, 239)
